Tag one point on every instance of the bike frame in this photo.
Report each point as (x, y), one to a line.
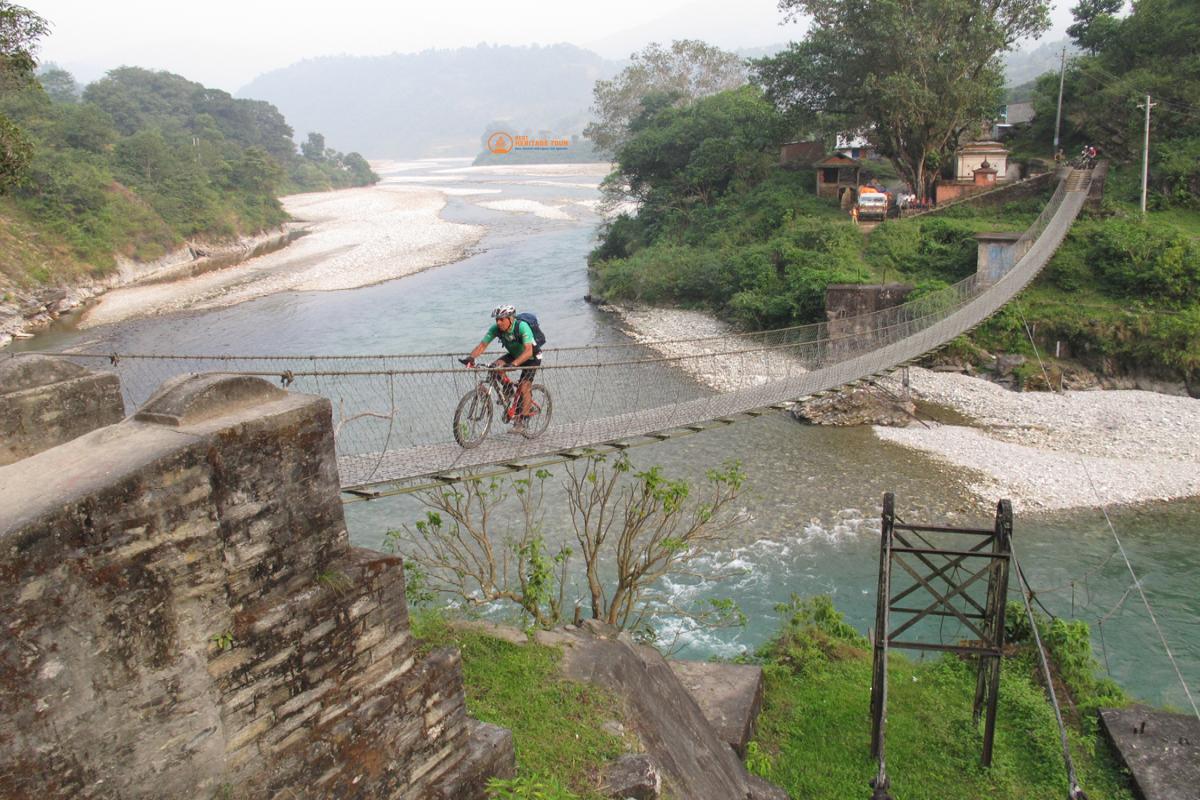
(497, 381)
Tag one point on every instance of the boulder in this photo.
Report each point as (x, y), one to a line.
(694, 761)
(632, 777)
(730, 695)
(859, 405)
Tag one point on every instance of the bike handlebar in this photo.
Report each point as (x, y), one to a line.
(500, 371)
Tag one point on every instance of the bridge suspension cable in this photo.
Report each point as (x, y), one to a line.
(393, 413)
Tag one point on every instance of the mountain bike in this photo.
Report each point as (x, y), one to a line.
(473, 416)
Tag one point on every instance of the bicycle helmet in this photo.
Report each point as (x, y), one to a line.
(500, 312)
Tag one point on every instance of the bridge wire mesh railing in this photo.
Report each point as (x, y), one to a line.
(392, 413)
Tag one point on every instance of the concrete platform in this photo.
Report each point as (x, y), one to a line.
(730, 695)
(1160, 749)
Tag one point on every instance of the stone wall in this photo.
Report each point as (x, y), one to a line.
(184, 617)
(846, 303)
(46, 401)
(951, 193)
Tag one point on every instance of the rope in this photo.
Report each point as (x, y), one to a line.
(1076, 793)
(1137, 583)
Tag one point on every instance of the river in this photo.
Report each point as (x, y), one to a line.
(812, 497)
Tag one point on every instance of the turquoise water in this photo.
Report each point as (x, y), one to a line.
(813, 495)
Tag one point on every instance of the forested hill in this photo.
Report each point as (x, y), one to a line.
(138, 162)
(435, 102)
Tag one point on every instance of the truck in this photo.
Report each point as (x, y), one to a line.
(872, 204)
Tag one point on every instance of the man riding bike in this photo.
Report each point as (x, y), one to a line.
(517, 337)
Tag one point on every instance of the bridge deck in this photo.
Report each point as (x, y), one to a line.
(859, 358)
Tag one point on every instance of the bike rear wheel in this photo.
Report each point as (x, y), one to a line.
(543, 407)
(473, 417)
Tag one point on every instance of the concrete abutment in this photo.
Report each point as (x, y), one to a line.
(185, 616)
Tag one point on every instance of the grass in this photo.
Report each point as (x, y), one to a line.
(1186, 220)
(556, 723)
(814, 732)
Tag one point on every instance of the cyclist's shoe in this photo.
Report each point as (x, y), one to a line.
(518, 425)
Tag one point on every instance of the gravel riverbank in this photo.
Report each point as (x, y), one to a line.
(707, 360)
(356, 237)
(1043, 451)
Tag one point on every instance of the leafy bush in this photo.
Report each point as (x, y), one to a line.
(1177, 172)
(1138, 259)
(813, 633)
(1070, 644)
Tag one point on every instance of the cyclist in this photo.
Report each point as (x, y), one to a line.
(517, 338)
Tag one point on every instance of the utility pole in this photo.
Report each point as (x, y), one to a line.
(1062, 72)
(1146, 152)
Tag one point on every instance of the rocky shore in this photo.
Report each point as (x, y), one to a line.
(354, 238)
(1045, 451)
(339, 240)
(1049, 451)
(24, 312)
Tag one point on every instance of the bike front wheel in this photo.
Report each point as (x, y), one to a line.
(543, 407)
(473, 418)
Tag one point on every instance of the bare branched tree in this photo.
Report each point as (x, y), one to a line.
(632, 530)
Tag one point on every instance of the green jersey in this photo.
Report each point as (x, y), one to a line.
(519, 334)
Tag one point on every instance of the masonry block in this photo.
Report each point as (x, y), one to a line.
(184, 617)
(45, 401)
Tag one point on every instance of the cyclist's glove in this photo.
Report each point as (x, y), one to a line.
(467, 362)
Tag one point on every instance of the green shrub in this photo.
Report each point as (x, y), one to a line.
(812, 634)
(1143, 260)
(1070, 644)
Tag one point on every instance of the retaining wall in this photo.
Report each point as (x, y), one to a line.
(185, 617)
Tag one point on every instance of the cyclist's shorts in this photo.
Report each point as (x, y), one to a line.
(526, 374)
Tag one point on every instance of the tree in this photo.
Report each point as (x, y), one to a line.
(914, 76)
(59, 84)
(313, 148)
(360, 171)
(679, 157)
(1095, 23)
(256, 172)
(631, 530)
(1151, 51)
(689, 68)
(20, 30)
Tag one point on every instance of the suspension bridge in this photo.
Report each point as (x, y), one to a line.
(393, 413)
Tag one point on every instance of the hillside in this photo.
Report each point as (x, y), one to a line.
(137, 165)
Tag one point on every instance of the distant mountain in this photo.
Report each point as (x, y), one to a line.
(435, 102)
(1023, 66)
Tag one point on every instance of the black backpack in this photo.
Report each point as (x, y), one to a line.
(530, 319)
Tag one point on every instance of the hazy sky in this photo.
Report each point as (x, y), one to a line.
(226, 44)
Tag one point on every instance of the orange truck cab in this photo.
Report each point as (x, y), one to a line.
(872, 203)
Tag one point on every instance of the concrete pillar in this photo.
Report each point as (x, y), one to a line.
(185, 616)
(46, 401)
(998, 252)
